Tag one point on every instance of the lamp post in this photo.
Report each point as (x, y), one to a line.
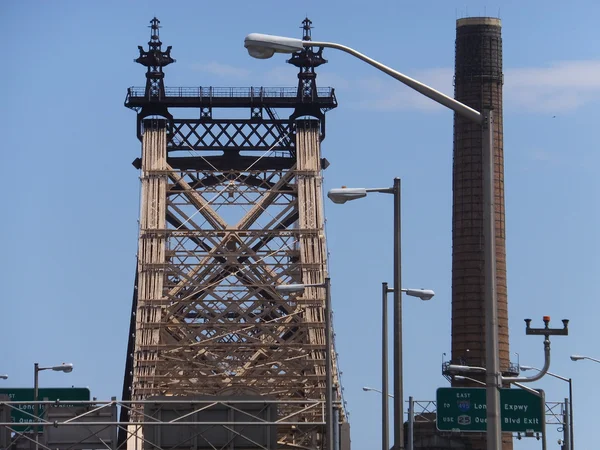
(341, 196)
(344, 195)
(385, 404)
(291, 288)
(66, 368)
(570, 381)
(264, 46)
(580, 357)
(577, 358)
(423, 294)
(368, 389)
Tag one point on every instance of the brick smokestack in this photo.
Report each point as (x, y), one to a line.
(478, 83)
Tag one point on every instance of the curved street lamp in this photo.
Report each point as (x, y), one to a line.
(580, 357)
(369, 389)
(423, 294)
(264, 46)
(341, 196)
(64, 367)
(568, 380)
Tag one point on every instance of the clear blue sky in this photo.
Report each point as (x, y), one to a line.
(71, 197)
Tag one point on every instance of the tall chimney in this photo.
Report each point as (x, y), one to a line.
(478, 83)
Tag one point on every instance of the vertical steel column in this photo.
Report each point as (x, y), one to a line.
(36, 370)
(328, 371)
(336, 423)
(571, 414)
(398, 378)
(493, 383)
(543, 397)
(385, 419)
(411, 423)
(566, 425)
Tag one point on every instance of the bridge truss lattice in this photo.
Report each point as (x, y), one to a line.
(231, 208)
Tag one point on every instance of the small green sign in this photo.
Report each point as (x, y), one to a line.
(25, 413)
(464, 409)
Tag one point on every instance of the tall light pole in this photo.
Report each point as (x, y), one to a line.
(423, 294)
(385, 405)
(344, 195)
(570, 381)
(66, 368)
(341, 196)
(291, 288)
(264, 46)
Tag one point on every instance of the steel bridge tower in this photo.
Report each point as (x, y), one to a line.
(230, 208)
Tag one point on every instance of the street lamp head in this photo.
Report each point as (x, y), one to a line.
(423, 294)
(263, 46)
(457, 368)
(3, 377)
(527, 368)
(577, 357)
(365, 388)
(344, 194)
(461, 369)
(290, 288)
(64, 367)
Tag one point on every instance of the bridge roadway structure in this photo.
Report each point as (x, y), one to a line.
(93, 424)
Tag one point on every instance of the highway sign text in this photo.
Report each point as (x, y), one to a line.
(464, 409)
(25, 413)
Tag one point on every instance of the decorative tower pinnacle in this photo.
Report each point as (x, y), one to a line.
(155, 59)
(306, 60)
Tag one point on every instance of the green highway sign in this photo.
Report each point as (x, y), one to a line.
(25, 413)
(464, 409)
